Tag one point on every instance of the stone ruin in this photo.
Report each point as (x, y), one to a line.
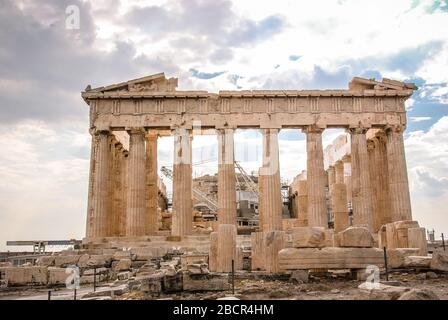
(369, 208)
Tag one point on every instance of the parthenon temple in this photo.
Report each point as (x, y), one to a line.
(351, 201)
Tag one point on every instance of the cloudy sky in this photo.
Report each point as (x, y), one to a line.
(209, 45)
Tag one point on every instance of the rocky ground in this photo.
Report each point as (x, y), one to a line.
(401, 285)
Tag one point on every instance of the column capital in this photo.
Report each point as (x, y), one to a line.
(269, 130)
(135, 130)
(399, 128)
(95, 131)
(151, 134)
(224, 130)
(358, 130)
(313, 129)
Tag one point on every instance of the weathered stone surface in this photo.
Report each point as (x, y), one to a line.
(288, 224)
(401, 228)
(329, 238)
(146, 253)
(57, 276)
(17, 276)
(274, 241)
(380, 291)
(329, 258)
(118, 255)
(187, 259)
(257, 251)
(173, 283)
(108, 291)
(123, 265)
(395, 257)
(226, 247)
(205, 282)
(213, 252)
(299, 276)
(417, 239)
(308, 237)
(359, 237)
(97, 271)
(151, 283)
(126, 275)
(46, 261)
(83, 259)
(198, 268)
(65, 261)
(439, 261)
(419, 294)
(417, 262)
(382, 237)
(100, 260)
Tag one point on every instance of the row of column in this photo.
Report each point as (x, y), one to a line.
(123, 191)
(378, 185)
(123, 185)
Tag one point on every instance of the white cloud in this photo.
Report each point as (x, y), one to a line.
(427, 160)
(419, 119)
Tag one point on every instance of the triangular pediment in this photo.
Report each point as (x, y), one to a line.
(152, 83)
(359, 84)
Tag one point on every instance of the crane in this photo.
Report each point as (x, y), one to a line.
(199, 195)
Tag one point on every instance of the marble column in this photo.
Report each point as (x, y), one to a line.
(302, 203)
(339, 172)
(226, 247)
(347, 160)
(151, 183)
(339, 199)
(124, 192)
(226, 178)
(135, 213)
(317, 208)
(373, 172)
(99, 204)
(331, 176)
(182, 218)
(361, 192)
(400, 202)
(379, 180)
(271, 210)
(116, 188)
(383, 178)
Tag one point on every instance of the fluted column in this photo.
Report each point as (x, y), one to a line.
(271, 210)
(182, 219)
(151, 183)
(317, 209)
(383, 178)
(339, 172)
(99, 204)
(347, 160)
(302, 203)
(135, 213)
(374, 172)
(331, 176)
(339, 199)
(226, 178)
(116, 188)
(400, 202)
(124, 192)
(361, 192)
